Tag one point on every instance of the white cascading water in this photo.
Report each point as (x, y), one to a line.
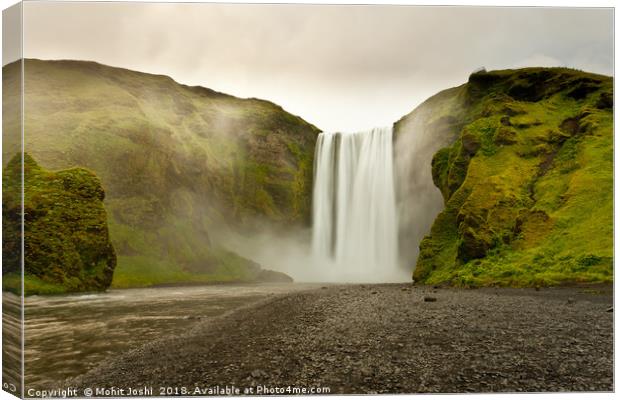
(355, 228)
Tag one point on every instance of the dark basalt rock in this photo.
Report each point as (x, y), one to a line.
(582, 90)
(605, 101)
(473, 245)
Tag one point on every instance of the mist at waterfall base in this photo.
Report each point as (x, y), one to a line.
(418, 200)
(373, 202)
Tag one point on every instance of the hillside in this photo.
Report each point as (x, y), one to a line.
(67, 245)
(178, 163)
(526, 174)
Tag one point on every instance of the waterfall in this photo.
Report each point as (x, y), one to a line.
(354, 210)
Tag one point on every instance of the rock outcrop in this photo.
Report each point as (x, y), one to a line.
(67, 247)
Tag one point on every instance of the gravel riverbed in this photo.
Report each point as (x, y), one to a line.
(393, 338)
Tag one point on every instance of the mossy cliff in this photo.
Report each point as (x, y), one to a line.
(527, 181)
(66, 241)
(178, 163)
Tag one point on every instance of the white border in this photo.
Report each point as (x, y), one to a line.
(485, 3)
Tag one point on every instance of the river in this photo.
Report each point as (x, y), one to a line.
(66, 336)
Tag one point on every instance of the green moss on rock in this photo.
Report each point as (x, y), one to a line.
(66, 241)
(527, 184)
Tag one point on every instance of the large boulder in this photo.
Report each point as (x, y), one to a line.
(67, 247)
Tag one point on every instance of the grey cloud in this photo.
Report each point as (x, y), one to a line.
(339, 67)
(11, 34)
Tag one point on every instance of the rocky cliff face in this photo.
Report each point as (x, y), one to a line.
(67, 245)
(526, 180)
(178, 163)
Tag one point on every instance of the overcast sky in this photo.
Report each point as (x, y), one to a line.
(339, 67)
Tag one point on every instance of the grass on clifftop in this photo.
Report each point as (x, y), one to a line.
(528, 184)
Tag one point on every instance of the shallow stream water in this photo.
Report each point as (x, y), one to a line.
(66, 336)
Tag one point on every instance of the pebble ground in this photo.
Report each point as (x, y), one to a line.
(394, 338)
